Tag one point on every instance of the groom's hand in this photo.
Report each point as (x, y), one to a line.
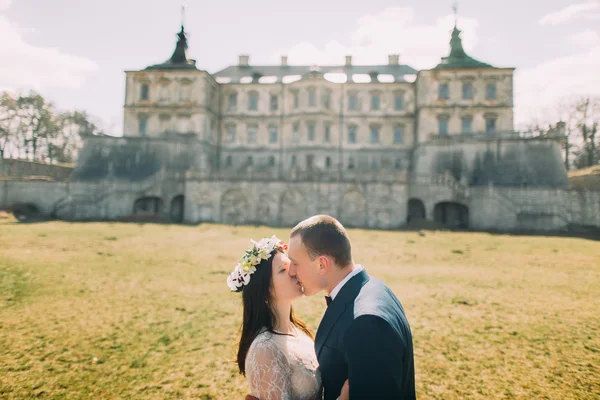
(250, 397)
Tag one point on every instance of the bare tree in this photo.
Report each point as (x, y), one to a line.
(73, 127)
(31, 128)
(8, 122)
(36, 125)
(587, 114)
(568, 115)
(579, 122)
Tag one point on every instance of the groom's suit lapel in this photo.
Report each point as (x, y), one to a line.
(337, 307)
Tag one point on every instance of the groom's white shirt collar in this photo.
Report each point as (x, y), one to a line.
(340, 285)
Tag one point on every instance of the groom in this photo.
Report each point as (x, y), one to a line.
(364, 335)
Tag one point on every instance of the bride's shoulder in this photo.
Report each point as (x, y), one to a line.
(263, 337)
(265, 341)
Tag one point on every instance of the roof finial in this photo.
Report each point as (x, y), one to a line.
(183, 7)
(455, 8)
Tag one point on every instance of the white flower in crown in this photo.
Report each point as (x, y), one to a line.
(260, 250)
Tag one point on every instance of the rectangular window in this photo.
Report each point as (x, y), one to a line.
(296, 133)
(312, 98)
(326, 100)
(467, 89)
(443, 126)
(144, 92)
(253, 101)
(374, 134)
(326, 135)
(490, 91)
(185, 91)
(272, 134)
(228, 161)
(375, 101)
(398, 163)
(398, 101)
(165, 123)
(398, 134)
(274, 102)
(271, 161)
(310, 161)
(490, 125)
(467, 125)
(374, 163)
(252, 133)
(296, 99)
(164, 92)
(310, 127)
(443, 92)
(143, 125)
(232, 101)
(230, 133)
(250, 160)
(352, 134)
(327, 162)
(293, 162)
(352, 102)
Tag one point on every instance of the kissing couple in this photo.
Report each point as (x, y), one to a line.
(363, 348)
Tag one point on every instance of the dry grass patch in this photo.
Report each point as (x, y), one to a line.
(112, 310)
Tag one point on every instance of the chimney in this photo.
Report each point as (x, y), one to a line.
(243, 60)
(284, 61)
(348, 61)
(393, 59)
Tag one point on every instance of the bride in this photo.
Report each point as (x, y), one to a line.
(276, 350)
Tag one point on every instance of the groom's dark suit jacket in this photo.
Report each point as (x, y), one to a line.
(365, 337)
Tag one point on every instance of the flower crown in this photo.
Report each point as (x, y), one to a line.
(260, 250)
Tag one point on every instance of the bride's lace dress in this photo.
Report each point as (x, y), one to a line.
(283, 367)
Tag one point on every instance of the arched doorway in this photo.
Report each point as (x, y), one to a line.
(177, 207)
(234, 207)
(453, 215)
(147, 206)
(353, 210)
(26, 212)
(293, 207)
(416, 211)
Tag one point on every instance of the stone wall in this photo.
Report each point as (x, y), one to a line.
(533, 209)
(498, 161)
(132, 159)
(23, 168)
(278, 203)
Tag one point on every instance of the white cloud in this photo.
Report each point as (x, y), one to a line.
(28, 66)
(544, 87)
(586, 39)
(5, 4)
(568, 13)
(390, 31)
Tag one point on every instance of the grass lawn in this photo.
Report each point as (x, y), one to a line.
(107, 310)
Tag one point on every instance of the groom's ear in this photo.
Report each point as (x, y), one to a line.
(324, 264)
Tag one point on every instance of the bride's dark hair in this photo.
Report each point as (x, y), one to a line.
(259, 310)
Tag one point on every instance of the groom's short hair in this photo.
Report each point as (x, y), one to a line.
(325, 235)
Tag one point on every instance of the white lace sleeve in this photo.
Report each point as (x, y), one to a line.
(268, 371)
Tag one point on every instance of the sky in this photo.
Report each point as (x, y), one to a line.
(75, 52)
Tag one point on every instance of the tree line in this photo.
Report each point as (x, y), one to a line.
(31, 128)
(580, 118)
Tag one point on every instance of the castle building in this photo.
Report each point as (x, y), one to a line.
(319, 122)
(376, 146)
